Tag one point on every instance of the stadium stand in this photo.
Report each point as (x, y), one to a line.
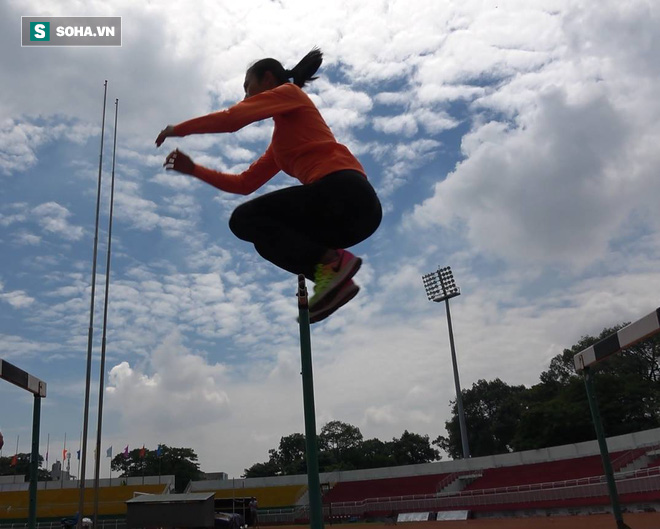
(567, 478)
(267, 497)
(547, 472)
(380, 488)
(63, 502)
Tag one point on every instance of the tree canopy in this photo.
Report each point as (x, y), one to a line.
(180, 462)
(19, 465)
(502, 418)
(342, 447)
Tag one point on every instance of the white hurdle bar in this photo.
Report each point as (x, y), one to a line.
(629, 335)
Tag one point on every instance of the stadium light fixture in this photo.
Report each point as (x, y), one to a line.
(441, 286)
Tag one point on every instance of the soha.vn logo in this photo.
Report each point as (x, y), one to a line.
(40, 31)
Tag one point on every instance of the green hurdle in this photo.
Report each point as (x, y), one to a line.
(313, 482)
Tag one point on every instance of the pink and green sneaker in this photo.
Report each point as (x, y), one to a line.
(329, 278)
(342, 296)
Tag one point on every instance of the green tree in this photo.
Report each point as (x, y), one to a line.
(180, 462)
(339, 438)
(492, 412)
(374, 453)
(555, 411)
(22, 467)
(288, 459)
(342, 447)
(262, 470)
(627, 386)
(291, 454)
(412, 448)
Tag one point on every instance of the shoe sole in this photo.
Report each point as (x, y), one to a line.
(339, 281)
(341, 300)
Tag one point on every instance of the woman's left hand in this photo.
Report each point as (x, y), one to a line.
(180, 162)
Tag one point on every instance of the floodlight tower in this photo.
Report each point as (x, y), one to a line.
(440, 286)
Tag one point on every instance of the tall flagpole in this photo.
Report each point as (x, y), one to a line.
(105, 329)
(63, 458)
(47, 448)
(16, 456)
(90, 334)
(79, 454)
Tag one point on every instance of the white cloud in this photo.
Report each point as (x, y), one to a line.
(18, 142)
(558, 180)
(17, 299)
(28, 238)
(404, 124)
(182, 386)
(53, 218)
(145, 214)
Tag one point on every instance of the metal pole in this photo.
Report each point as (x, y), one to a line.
(457, 383)
(99, 424)
(34, 464)
(602, 443)
(90, 333)
(313, 481)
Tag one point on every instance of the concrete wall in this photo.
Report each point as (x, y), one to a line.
(589, 448)
(89, 483)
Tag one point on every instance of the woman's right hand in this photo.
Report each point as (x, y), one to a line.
(180, 162)
(165, 133)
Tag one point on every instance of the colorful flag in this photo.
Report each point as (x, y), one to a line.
(14, 461)
(143, 451)
(64, 452)
(108, 452)
(159, 451)
(126, 451)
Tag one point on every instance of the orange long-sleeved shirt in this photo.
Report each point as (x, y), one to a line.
(302, 146)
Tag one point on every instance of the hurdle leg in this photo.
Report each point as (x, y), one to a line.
(34, 464)
(313, 481)
(604, 452)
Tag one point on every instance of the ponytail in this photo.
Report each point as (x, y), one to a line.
(301, 73)
(304, 71)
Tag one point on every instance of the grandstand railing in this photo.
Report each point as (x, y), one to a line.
(640, 481)
(117, 523)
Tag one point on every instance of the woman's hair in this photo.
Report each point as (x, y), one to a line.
(301, 73)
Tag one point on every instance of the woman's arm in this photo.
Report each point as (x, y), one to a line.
(243, 184)
(265, 105)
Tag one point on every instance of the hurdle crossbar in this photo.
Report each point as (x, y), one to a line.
(22, 379)
(630, 335)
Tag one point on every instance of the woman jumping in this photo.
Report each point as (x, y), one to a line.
(302, 229)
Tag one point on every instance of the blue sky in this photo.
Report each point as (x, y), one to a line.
(514, 141)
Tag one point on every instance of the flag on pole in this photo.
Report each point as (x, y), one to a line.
(143, 452)
(78, 452)
(126, 451)
(108, 452)
(64, 452)
(159, 451)
(14, 460)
